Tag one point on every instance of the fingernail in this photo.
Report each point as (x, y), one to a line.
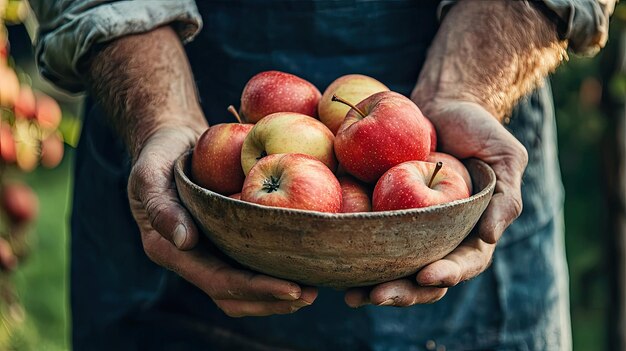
(302, 303)
(180, 235)
(294, 295)
(361, 304)
(387, 302)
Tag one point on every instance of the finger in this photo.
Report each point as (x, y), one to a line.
(403, 293)
(357, 297)
(152, 188)
(466, 261)
(8, 261)
(506, 204)
(502, 210)
(238, 308)
(216, 278)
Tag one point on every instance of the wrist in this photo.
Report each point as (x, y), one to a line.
(184, 130)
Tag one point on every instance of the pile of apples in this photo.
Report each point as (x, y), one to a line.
(375, 155)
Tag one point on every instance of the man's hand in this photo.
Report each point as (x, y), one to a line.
(146, 87)
(464, 130)
(169, 237)
(484, 58)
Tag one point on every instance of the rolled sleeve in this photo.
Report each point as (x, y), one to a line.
(583, 23)
(69, 29)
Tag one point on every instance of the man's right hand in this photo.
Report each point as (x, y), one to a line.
(169, 236)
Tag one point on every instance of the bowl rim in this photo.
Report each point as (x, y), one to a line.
(179, 171)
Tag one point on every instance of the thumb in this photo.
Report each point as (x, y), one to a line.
(153, 197)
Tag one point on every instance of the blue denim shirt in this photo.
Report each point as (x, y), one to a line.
(121, 300)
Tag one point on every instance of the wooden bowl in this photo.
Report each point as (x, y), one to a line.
(335, 250)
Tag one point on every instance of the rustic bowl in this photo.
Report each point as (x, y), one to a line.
(335, 250)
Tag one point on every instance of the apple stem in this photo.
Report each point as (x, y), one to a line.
(437, 168)
(234, 112)
(343, 101)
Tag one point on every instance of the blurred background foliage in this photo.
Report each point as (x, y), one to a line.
(578, 87)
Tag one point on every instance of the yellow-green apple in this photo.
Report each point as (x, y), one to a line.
(433, 134)
(288, 133)
(454, 163)
(216, 159)
(9, 86)
(380, 132)
(352, 87)
(293, 181)
(274, 91)
(416, 184)
(356, 196)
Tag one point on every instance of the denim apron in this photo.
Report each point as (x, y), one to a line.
(123, 301)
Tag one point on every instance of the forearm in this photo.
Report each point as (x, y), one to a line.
(144, 83)
(491, 53)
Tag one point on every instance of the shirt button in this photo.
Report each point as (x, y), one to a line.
(441, 348)
(431, 345)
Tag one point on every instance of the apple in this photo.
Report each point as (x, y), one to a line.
(7, 144)
(216, 159)
(48, 112)
(380, 132)
(236, 196)
(352, 87)
(293, 181)
(355, 195)
(20, 202)
(288, 133)
(416, 184)
(452, 162)
(25, 105)
(433, 134)
(274, 91)
(52, 150)
(9, 87)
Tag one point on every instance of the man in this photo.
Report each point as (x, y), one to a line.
(483, 58)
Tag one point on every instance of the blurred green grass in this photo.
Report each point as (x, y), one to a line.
(42, 279)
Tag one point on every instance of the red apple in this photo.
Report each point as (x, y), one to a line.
(48, 112)
(7, 144)
(216, 159)
(274, 91)
(454, 163)
(352, 87)
(355, 195)
(25, 105)
(292, 181)
(52, 150)
(236, 196)
(19, 202)
(382, 131)
(416, 184)
(433, 134)
(288, 133)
